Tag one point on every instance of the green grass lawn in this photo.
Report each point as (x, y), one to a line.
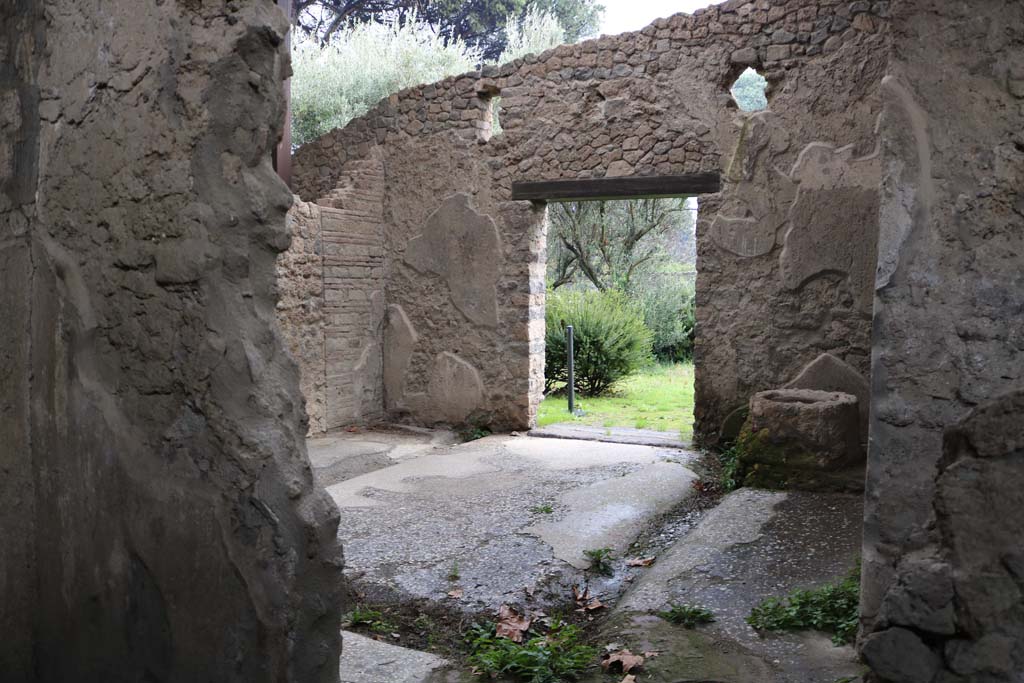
(659, 397)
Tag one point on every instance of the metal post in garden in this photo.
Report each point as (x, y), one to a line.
(570, 355)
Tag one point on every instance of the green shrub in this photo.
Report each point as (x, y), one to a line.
(537, 31)
(670, 314)
(749, 91)
(833, 608)
(558, 656)
(611, 339)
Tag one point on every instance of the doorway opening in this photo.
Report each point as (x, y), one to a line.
(621, 272)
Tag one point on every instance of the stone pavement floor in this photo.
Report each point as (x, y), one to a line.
(512, 515)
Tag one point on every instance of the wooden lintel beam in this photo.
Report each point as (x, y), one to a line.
(625, 187)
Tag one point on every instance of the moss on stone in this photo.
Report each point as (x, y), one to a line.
(783, 465)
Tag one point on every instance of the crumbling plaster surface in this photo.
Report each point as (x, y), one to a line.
(301, 304)
(943, 585)
(797, 178)
(158, 512)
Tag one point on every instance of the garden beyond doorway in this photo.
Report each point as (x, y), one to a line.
(658, 398)
(622, 274)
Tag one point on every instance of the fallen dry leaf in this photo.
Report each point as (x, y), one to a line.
(511, 624)
(580, 596)
(640, 562)
(594, 604)
(653, 653)
(624, 660)
(455, 594)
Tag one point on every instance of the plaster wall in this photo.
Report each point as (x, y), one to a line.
(785, 251)
(943, 595)
(158, 512)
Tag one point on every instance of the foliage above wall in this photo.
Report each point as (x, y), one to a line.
(478, 23)
(365, 62)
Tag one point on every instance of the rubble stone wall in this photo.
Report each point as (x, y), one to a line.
(943, 594)
(785, 251)
(159, 516)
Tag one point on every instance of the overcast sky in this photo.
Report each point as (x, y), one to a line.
(632, 15)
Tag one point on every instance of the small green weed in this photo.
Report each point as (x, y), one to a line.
(729, 477)
(473, 433)
(453, 573)
(600, 561)
(689, 616)
(423, 623)
(560, 655)
(374, 619)
(542, 509)
(832, 608)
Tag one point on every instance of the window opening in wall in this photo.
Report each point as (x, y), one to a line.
(749, 91)
(623, 274)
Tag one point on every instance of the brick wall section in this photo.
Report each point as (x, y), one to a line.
(650, 102)
(352, 217)
(332, 299)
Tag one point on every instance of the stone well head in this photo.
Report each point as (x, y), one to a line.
(803, 438)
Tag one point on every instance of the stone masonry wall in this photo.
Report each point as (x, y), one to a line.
(943, 596)
(157, 507)
(785, 251)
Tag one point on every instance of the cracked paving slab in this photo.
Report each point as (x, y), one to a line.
(754, 545)
(478, 510)
(340, 456)
(365, 660)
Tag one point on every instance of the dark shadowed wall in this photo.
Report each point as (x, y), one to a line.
(158, 513)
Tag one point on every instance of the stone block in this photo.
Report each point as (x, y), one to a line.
(778, 52)
(746, 56)
(899, 656)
